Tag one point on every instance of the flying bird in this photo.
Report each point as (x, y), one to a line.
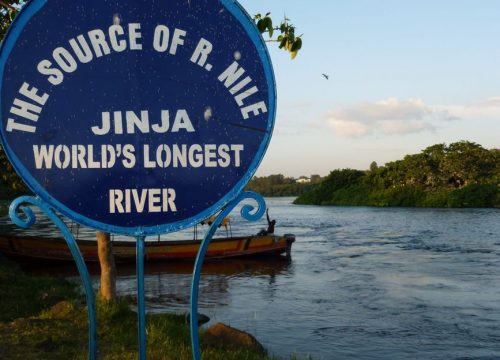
(326, 76)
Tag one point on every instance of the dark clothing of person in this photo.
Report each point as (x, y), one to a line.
(270, 224)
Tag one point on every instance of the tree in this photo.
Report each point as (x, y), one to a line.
(467, 162)
(8, 10)
(8, 176)
(107, 289)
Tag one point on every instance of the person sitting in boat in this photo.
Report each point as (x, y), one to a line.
(270, 225)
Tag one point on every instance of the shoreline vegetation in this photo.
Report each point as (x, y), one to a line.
(460, 175)
(46, 318)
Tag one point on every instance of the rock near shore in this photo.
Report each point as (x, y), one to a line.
(222, 335)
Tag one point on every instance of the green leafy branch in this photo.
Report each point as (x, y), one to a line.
(8, 10)
(287, 39)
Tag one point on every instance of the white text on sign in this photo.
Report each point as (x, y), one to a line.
(82, 49)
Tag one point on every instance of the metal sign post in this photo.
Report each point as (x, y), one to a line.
(134, 117)
(249, 213)
(24, 217)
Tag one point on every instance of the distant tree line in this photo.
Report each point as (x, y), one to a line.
(279, 185)
(462, 174)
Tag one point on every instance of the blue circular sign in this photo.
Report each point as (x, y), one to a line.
(136, 117)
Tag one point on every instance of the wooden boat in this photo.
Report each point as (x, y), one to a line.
(55, 249)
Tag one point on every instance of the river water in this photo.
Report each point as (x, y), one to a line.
(363, 283)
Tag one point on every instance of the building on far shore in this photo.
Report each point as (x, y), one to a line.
(303, 180)
(306, 180)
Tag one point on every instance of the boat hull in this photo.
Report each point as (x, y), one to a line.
(39, 248)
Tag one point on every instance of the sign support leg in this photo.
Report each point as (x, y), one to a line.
(27, 221)
(141, 311)
(249, 213)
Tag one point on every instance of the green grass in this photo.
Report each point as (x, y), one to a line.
(22, 295)
(30, 328)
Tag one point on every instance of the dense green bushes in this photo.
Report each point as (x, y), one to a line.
(463, 174)
(475, 195)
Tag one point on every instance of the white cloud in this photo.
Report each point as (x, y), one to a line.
(398, 127)
(486, 109)
(349, 128)
(491, 102)
(391, 116)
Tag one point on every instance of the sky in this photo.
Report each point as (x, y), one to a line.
(403, 75)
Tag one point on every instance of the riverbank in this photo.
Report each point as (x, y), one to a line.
(460, 175)
(46, 318)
